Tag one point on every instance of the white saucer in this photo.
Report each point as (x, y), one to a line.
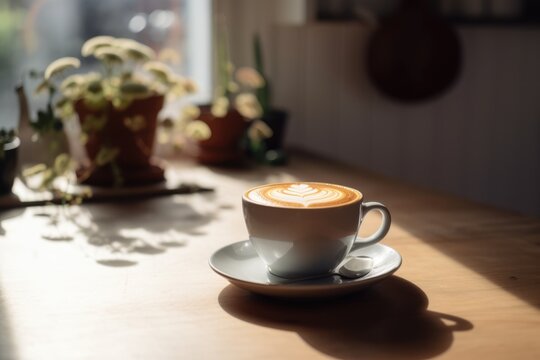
(240, 264)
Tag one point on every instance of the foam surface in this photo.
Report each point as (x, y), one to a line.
(307, 195)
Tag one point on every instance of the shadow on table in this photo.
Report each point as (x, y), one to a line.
(116, 232)
(389, 320)
(8, 214)
(502, 247)
(7, 346)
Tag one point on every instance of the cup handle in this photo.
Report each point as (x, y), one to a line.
(381, 231)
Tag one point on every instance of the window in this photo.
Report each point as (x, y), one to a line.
(33, 33)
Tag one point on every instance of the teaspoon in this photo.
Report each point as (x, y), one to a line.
(353, 267)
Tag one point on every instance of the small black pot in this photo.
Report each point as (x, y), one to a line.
(8, 165)
(277, 121)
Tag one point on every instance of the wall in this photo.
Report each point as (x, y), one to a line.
(480, 140)
(249, 17)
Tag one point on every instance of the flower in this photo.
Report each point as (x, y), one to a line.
(95, 43)
(110, 55)
(259, 130)
(191, 112)
(135, 50)
(135, 123)
(249, 77)
(64, 107)
(170, 56)
(62, 163)
(220, 107)
(61, 65)
(70, 86)
(34, 170)
(190, 86)
(42, 86)
(161, 71)
(91, 76)
(71, 81)
(180, 86)
(198, 130)
(248, 106)
(233, 87)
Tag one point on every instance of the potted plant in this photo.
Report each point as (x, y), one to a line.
(117, 109)
(9, 144)
(267, 149)
(234, 108)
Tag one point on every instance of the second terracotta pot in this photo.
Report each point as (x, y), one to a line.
(224, 147)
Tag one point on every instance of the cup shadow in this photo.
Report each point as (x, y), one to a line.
(388, 320)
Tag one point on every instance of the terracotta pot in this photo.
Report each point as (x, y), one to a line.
(277, 121)
(271, 152)
(8, 165)
(134, 159)
(224, 146)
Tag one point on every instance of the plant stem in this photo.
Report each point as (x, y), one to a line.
(262, 93)
(222, 58)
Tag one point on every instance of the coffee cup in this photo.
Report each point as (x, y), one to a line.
(302, 229)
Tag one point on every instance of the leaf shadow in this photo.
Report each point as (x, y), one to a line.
(116, 262)
(145, 228)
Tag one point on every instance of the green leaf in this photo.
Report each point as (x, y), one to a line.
(134, 89)
(94, 123)
(258, 54)
(95, 87)
(106, 155)
(34, 170)
(46, 121)
(95, 101)
(62, 164)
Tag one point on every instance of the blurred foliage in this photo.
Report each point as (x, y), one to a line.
(6, 136)
(10, 20)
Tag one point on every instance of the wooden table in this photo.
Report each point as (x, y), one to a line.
(132, 281)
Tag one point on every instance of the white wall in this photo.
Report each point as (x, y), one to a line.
(480, 140)
(248, 17)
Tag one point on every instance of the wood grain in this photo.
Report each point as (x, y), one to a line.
(131, 281)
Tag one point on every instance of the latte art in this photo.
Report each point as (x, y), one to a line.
(307, 195)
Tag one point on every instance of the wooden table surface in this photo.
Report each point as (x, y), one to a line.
(131, 281)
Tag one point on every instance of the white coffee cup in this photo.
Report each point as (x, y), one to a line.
(298, 234)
